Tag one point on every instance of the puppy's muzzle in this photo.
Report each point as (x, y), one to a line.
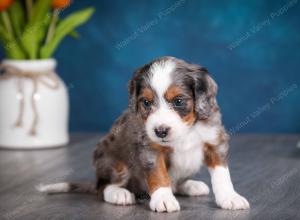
(162, 131)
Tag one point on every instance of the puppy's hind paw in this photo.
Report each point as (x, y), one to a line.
(117, 195)
(193, 188)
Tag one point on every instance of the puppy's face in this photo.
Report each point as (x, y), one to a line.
(170, 95)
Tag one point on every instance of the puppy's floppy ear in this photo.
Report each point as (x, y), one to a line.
(132, 92)
(205, 91)
(134, 87)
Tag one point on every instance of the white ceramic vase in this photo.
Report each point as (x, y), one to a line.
(34, 107)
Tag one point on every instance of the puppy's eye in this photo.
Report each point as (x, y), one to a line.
(146, 103)
(178, 102)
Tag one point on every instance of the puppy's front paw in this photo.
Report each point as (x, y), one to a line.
(163, 200)
(117, 195)
(193, 188)
(232, 201)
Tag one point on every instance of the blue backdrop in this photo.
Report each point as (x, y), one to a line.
(250, 48)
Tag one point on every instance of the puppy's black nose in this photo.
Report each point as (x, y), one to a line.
(161, 131)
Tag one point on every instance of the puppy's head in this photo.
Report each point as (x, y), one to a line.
(170, 96)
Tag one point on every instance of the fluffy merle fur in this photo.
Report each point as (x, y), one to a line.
(127, 140)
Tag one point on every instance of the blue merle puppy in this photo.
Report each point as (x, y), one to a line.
(171, 127)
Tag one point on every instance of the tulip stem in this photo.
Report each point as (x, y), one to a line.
(29, 5)
(52, 25)
(7, 23)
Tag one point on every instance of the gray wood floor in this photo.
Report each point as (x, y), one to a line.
(265, 169)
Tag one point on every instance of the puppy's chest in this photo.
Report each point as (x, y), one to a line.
(187, 158)
(185, 164)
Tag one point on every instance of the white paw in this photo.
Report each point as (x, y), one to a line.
(163, 200)
(193, 188)
(232, 201)
(117, 195)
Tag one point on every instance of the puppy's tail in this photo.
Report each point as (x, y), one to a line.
(66, 187)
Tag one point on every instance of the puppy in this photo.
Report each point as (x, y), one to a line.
(171, 127)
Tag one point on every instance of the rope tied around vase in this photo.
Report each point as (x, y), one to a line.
(8, 71)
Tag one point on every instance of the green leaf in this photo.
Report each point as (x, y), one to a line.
(10, 45)
(39, 10)
(13, 51)
(36, 28)
(74, 34)
(64, 28)
(1, 23)
(4, 35)
(17, 17)
(33, 36)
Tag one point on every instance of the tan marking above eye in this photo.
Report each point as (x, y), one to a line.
(172, 92)
(148, 94)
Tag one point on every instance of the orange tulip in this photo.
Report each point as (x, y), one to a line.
(4, 4)
(58, 4)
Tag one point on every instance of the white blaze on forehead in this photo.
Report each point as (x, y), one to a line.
(161, 76)
(160, 80)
